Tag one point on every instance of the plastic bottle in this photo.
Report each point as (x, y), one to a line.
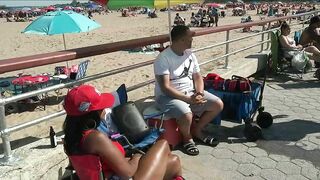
(53, 137)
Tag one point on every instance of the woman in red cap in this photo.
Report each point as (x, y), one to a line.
(84, 107)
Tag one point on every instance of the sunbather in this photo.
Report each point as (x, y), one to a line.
(289, 47)
(178, 20)
(84, 107)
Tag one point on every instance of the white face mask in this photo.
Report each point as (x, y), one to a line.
(107, 121)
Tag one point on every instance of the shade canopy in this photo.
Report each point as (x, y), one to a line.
(61, 22)
(116, 4)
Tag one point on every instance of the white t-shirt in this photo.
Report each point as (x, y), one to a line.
(177, 67)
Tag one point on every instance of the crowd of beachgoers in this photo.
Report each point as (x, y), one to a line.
(238, 9)
(115, 27)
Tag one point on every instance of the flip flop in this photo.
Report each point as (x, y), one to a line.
(191, 149)
(209, 140)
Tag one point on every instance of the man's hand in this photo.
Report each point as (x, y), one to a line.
(197, 98)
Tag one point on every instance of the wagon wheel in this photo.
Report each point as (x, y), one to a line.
(264, 119)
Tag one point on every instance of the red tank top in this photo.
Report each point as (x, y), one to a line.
(106, 168)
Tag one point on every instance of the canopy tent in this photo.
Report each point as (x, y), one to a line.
(159, 4)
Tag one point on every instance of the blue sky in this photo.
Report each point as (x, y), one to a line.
(13, 3)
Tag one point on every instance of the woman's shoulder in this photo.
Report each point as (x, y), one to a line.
(92, 137)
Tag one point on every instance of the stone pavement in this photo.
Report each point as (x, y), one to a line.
(290, 148)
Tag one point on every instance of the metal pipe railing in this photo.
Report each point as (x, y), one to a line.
(13, 64)
(50, 58)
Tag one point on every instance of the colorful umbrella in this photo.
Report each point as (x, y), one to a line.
(61, 22)
(116, 4)
(215, 5)
(50, 8)
(67, 8)
(159, 4)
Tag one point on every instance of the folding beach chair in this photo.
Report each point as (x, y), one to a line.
(87, 167)
(65, 75)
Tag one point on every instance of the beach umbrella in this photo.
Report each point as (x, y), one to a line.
(159, 4)
(67, 8)
(61, 22)
(36, 10)
(26, 9)
(50, 8)
(215, 5)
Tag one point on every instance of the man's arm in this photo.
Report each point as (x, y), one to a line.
(164, 83)
(198, 82)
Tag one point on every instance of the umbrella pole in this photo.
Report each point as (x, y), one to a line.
(65, 47)
(169, 19)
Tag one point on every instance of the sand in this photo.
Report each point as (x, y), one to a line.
(114, 28)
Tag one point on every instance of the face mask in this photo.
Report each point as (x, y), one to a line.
(110, 127)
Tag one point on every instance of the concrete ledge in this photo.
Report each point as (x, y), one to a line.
(244, 67)
(36, 161)
(39, 161)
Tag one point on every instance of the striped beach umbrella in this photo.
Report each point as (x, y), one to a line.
(159, 4)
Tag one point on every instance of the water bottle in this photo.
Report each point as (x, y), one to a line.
(53, 137)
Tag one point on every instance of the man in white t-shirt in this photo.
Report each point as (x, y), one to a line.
(179, 88)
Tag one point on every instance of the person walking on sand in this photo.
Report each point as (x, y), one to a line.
(179, 88)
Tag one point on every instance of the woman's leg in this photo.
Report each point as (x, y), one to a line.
(173, 167)
(154, 164)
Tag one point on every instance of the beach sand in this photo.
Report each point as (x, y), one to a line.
(114, 28)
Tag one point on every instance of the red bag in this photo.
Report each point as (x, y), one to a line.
(215, 81)
(243, 84)
(235, 84)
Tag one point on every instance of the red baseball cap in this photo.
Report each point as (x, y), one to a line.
(85, 98)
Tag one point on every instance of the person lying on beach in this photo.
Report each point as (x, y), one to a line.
(290, 48)
(179, 88)
(85, 106)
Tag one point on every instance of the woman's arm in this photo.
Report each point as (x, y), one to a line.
(285, 44)
(100, 144)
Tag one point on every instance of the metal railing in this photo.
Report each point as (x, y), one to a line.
(13, 64)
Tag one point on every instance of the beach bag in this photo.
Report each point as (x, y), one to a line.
(300, 60)
(130, 122)
(238, 84)
(215, 81)
(235, 84)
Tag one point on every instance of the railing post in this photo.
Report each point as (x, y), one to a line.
(269, 36)
(227, 49)
(4, 136)
(262, 37)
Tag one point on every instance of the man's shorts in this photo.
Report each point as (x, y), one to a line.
(177, 108)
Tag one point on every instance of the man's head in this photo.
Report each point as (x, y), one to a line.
(315, 21)
(182, 36)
